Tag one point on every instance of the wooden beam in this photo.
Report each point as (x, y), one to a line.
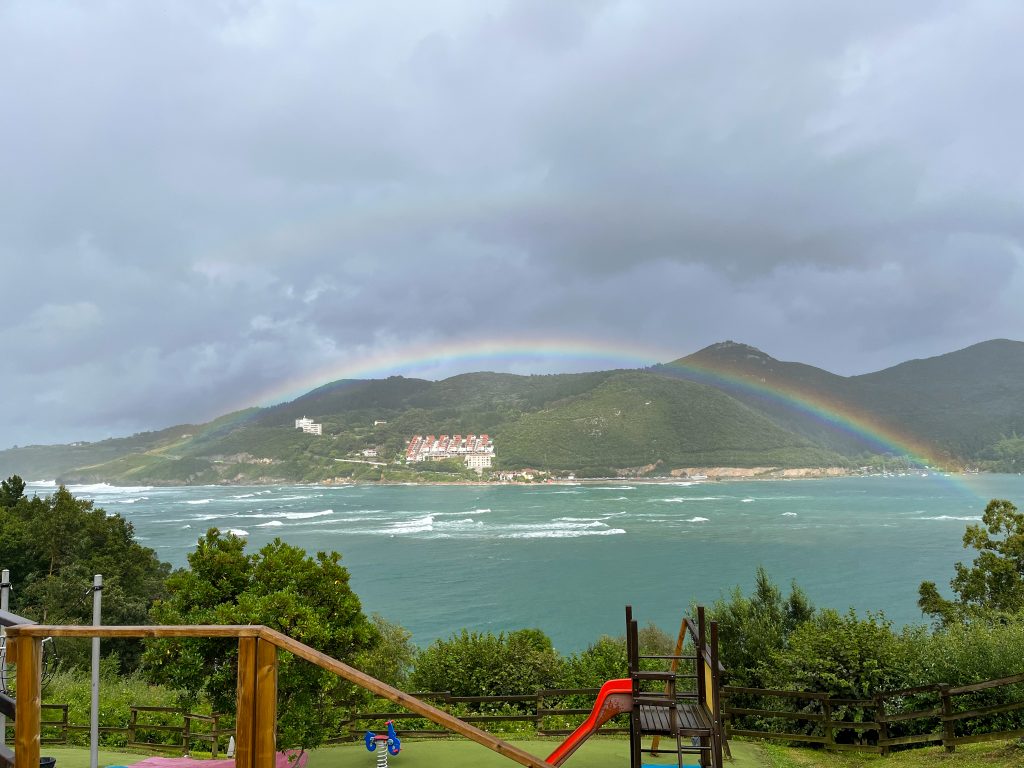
(403, 699)
(186, 630)
(245, 709)
(265, 731)
(28, 655)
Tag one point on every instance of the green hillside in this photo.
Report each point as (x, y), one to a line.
(727, 405)
(640, 419)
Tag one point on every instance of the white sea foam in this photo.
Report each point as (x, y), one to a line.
(789, 514)
(131, 500)
(198, 501)
(683, 499)
(42, 483)
(697, 520)
(613, 487)
(972, 518)
(561, 534)
(417, 525)
(185, 526)
(237, 532)
(269, 524)
(286, 515)
(94, 489)
(746, 501)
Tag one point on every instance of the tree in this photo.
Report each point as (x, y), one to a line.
(751, 629)
(55, 545)
(11, 490)
(994, 585)
(306, 598)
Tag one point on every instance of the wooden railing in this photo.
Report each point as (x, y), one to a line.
(59, 729)
(536, 709)
(928, 714)
(256, 711)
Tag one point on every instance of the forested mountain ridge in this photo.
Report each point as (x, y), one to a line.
(726, 405)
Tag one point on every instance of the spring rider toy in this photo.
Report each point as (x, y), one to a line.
(389, 743)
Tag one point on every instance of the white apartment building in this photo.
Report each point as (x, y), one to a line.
(309, 427)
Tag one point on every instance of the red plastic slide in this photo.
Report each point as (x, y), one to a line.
(614, 698)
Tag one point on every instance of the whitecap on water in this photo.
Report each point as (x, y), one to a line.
(789, 514)
(698, 520)
(237, 532)
(269, 524)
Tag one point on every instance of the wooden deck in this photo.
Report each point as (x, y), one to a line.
(693, 720)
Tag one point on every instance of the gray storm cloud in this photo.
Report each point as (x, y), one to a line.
(201, 200)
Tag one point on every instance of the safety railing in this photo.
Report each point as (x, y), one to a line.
(256, 706)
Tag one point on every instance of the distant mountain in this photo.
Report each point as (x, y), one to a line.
(729, 404)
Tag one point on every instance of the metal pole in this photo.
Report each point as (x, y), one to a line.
(5, 597)
(94, 720)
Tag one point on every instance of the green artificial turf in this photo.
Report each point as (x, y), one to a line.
(595, 753)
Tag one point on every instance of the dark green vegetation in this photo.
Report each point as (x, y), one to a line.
(993, 587)
(713, 408)
(306, 598)
(53, 546)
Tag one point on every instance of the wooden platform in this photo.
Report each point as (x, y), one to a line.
(693, 720)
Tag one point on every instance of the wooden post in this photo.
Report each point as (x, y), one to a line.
(132, 722)
(883, 726)
(948, 733)
(29, 658)
(214, 736)
(245, 707)
(186, 731)
(265, 732)
(826, 711)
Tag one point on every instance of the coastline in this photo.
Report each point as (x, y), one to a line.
(675, 477)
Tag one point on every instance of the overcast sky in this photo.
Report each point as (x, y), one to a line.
(202, 201)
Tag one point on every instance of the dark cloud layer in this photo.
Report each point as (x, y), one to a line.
(200, 200)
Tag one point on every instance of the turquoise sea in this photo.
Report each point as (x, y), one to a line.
(567, 558)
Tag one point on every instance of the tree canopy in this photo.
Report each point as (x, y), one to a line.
(993, 586)
(54, 546)
(307, 598)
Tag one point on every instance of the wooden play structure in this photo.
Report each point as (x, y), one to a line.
(690, 718)
(682, 706)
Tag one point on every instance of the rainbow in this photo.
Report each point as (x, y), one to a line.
(433, 361)
(551, 355)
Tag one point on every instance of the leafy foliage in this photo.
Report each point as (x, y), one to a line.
(307, 598)
(485, 664)
(752, 630)
(993, 586)
(53, 546)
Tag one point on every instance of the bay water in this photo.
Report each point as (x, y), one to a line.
(567, 558)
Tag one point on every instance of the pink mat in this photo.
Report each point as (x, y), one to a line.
(290, 758)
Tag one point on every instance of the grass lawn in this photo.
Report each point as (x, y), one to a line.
(612, 753)
(998, 754)
(78, 757)
(595, 753)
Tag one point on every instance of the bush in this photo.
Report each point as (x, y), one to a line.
(484, 664)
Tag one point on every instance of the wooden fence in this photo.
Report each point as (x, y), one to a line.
(545, 710)
(930, 714)
(56, 728)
